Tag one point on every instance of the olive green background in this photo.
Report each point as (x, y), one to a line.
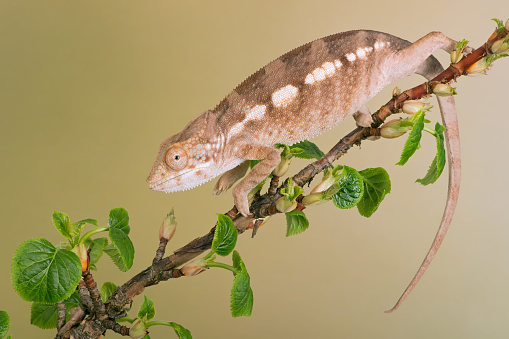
(88, 90)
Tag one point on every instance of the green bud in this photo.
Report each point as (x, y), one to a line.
(282, 168)
(314, 199)
(394, 128)
(414, 106)
(500, 46)
(194, 268)
(138, 329)
(168, 227)
(444, 90)
(456, 56)
(284, 205)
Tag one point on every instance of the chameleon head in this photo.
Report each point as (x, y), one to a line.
(187, 159)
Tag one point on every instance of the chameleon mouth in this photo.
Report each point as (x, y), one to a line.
(177, 186)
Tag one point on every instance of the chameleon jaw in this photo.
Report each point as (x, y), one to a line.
(179, 183)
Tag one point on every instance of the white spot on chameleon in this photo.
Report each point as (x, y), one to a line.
(310, 79)
(329, 68)
(257, 112)
(338, 64)
(285, 95)
(351, 57)
(319, 74)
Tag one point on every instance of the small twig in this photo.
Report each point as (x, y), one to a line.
(78, 315)
(85, 299)
(160, 250)
(116, 327)
(99, 308)
(60, 314)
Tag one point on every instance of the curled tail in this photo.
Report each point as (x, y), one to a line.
(447, 108)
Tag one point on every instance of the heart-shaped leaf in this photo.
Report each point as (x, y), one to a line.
(225, 236)
(40, 272)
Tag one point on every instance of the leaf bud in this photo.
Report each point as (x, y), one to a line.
(168, 227)
(414, 106)
(82, 253)
(456, 56)
(480, 67)
(500, 46)
(314, 199)
(194, 268)
(138, 329)
(394, 128)
(282, 167)
(284, 205)
(326, 183)
(444, 90)
(396, 91)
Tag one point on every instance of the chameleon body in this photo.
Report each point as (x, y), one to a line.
(295, 97)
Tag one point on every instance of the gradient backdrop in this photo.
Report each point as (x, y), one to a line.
(88, 90)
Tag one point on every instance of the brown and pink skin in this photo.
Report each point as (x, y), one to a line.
(296, 97)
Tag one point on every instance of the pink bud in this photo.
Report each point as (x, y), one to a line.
(82, 253)
(194, 268)
(168, 227)
(414, 106)
(444, 90)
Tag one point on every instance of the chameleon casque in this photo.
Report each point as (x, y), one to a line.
(295, 97)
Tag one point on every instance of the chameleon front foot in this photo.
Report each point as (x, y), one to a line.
(240, 200)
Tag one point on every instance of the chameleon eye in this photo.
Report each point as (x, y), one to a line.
(176, 158)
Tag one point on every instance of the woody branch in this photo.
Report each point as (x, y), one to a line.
(163, 269)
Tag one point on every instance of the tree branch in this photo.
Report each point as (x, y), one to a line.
(163, 269)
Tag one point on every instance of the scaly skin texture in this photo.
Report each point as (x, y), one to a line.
(295, 97)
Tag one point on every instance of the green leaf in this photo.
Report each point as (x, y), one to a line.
(121, 249)
(45, 315)
(40, 272)
(147, 310)
(351, 188)
(296, 222)
(225, 236)
(96, 248)
(500, 25)
(181, 331)
(4, 323)
(438, 164)
(236, 260)
(241, 295)
(119, 218)
(291, 191)
(62, 224)
(306, 150)
(462, 44)
(376, 185)
(107, 290)
(414, 137)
